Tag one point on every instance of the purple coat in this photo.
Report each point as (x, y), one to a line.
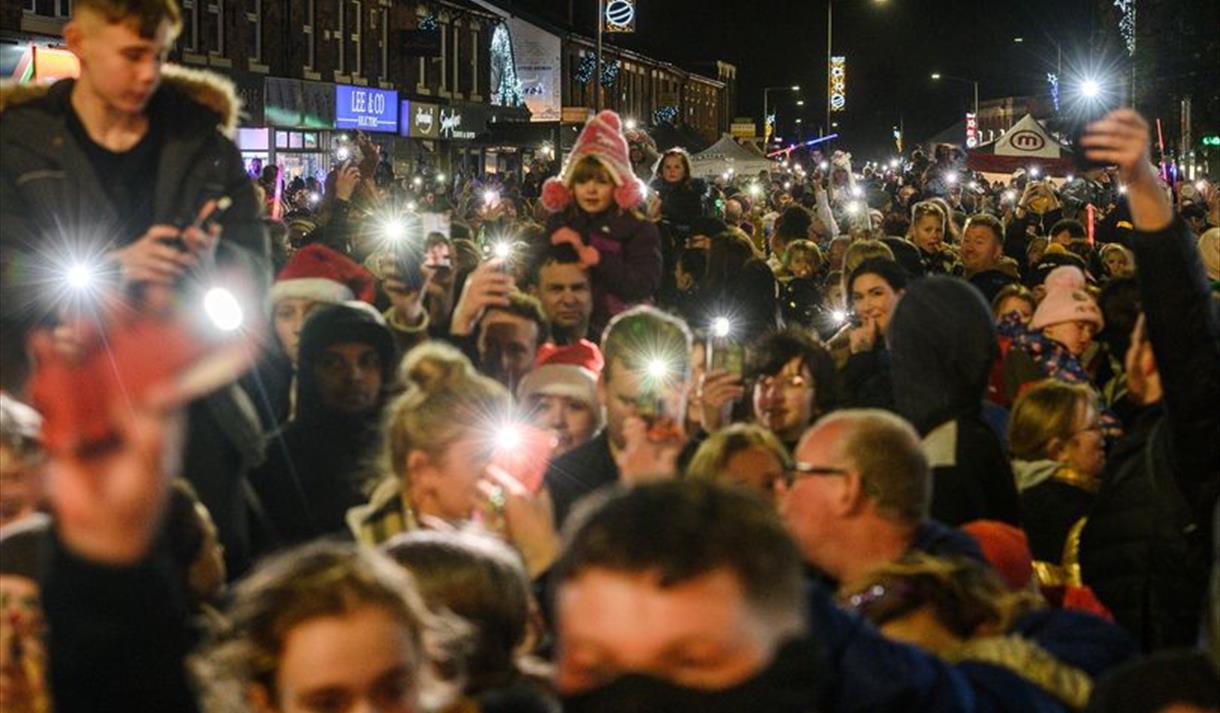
(629, 271)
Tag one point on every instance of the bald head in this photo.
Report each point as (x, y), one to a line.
(886, 452)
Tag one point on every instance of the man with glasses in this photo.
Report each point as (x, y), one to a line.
(858, 496)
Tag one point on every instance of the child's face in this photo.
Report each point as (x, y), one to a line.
(800, 265)
(1076, 336)
(595, 194)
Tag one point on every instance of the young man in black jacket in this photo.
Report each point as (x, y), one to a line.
(113, 174)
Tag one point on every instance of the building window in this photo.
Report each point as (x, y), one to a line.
(48, 8)
(216, 43)
(255, 17)
(341, 62)
(190, 25)
(384, 18)
(307, 30)
(357, 28)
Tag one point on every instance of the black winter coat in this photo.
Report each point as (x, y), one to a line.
(1145, 550)
(50, 193)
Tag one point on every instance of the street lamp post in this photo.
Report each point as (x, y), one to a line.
(597, 73)
(766, 90)
(937, 76)
(830, 4)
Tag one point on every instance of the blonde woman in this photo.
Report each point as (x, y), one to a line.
(439, 441)
(744, 454)
(1058, 453)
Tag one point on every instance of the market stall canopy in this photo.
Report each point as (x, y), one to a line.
(727, 154)
(1026, 144)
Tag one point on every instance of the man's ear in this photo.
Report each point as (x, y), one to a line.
(851, 498)
(74, 35)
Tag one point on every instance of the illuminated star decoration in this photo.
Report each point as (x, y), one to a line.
(1053, 80)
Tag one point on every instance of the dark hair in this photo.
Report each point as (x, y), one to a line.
(1074, 228)
(694, 262)
(884, 268)
(988, 221)
(1120, 307)
(680, 153)
(768, 356)
(726, 257)
(678, 530)
(548, 254)
(480, 579)
(526, 307)
(793, 223)
(896, 224)
(147, 14)
(1197, 211)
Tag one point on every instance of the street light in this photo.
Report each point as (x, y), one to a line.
(937, 76)
(766, 90)
(1090, 89)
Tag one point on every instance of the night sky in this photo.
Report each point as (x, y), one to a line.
(892, 47)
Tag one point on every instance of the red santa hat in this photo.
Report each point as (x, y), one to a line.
(602, 138)
(571, 371)
(321, 274)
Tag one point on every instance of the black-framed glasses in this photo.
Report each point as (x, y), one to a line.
(803, 470)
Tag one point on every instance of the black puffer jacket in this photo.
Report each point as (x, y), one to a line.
(1145, 549)
(942, 345)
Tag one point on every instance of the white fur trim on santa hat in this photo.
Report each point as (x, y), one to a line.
(560, 380)
(318, 289)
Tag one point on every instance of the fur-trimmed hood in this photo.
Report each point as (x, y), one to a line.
(210, 90)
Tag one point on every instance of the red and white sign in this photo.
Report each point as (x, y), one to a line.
(972, 130)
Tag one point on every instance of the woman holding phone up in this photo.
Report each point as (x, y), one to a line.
(441, 439)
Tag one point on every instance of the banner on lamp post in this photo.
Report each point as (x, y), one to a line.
(972, 130)
(838, 83)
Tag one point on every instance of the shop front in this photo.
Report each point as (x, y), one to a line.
(299, 132)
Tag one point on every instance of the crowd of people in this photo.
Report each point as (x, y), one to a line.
(612, 437)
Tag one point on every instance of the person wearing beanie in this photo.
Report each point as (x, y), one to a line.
(595, 206)
(561, 392)
(316, 465)
(1056, 339)
(315, 275)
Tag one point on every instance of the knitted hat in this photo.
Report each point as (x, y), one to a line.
(321, 274)
(1065, 277)
(1005, 548)
(1065, 304)
(602, 138)
(570, 371)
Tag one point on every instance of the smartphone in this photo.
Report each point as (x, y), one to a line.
(725, 355)
(527, 460)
